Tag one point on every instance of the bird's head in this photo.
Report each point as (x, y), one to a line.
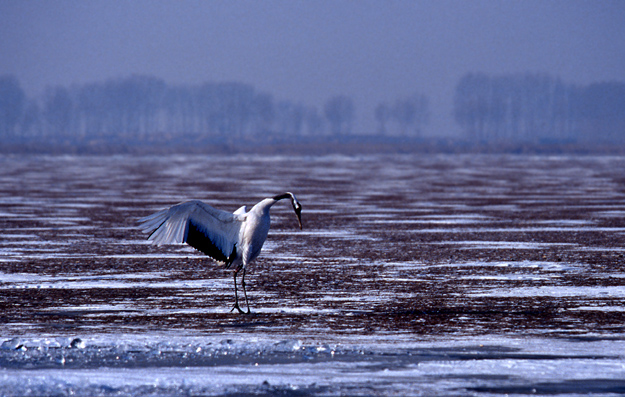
(297, 207)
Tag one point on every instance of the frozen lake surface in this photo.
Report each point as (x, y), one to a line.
(414, 275)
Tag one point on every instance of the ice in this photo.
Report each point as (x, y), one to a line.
(433, 219)
(521, 229)
(168, 365)
(601, 308)
(556, 291)
(12, 344)
(431, 275)
(499, 244)
(106, 281)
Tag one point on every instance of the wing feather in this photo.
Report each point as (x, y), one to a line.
(207, 229)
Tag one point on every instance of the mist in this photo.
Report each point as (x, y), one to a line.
(396, 66)
(459, 163)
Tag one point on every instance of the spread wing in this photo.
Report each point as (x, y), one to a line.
(207, 229)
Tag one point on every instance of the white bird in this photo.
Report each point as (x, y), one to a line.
(232, 238)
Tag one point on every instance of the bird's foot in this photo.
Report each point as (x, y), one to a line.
(236, 306)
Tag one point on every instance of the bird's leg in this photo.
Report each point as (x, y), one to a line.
(236, 297)
(245, 292)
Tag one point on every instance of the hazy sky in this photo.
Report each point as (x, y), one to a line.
(310, 50)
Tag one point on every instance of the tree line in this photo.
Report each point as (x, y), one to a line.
(539, 107)
(146, 108)
(506, 108)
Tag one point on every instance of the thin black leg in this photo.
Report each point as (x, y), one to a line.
(245, 292)
(236, 297)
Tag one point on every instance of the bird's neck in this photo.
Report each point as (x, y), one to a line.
(264, 205)
(282, 196)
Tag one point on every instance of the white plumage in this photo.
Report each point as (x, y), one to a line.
(232, 238)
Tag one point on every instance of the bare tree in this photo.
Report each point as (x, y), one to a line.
(339, 110)
(382, 115)
(411, 113)
(12, 104)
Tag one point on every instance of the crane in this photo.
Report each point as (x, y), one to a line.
(234, 239)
